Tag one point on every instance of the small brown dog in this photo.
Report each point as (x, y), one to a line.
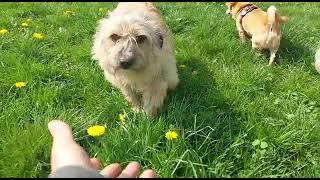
(263, 27)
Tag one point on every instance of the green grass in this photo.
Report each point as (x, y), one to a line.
(234, 100)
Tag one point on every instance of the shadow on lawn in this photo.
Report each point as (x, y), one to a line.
(201, 111)
(292, 51)
(296, 54)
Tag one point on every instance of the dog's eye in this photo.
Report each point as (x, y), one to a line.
(141, 39)
(115, 37)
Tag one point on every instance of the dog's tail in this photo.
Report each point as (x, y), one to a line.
(274, 17)
(274, 21)
(272, 13)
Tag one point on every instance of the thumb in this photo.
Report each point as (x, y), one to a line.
(60, 131)
(65, 151)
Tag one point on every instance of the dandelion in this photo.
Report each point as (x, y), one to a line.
(38, 36)
(96, 130)
(68, 12)
(182, 66)
(122, 117)
(3, 31)
(24, 24)
(20, 84)
(171, 135)
(194, 73)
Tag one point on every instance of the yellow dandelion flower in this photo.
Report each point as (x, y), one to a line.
(38, 36)
(68, 12)
(194, 73)
(20, 84)
(24, 24)
(122, 117)
(171, 135)
(182, 66)
(96, 130)
(3, 31)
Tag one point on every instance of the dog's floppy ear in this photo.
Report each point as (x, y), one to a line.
(230, 4)
(160, 38)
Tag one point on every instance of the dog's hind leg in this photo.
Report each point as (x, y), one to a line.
(273, 52)
(255, 43)
(257, 50)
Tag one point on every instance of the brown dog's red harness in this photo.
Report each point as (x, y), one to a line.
(244, 11)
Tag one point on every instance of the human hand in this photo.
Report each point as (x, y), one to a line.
(66, 152)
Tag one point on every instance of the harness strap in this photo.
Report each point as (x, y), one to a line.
(244, 11)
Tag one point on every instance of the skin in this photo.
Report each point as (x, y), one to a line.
(66, 152)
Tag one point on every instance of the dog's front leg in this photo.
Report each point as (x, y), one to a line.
(131, 97)
(153, 98)
(241, 31)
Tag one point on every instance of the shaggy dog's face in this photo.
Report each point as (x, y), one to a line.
(127, 43)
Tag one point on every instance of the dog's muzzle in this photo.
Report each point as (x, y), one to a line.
(126, 63)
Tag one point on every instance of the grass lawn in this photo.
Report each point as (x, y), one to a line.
(235, 117)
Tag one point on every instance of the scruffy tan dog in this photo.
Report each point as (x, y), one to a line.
(263, 27)
(317, 61)
(134, 47)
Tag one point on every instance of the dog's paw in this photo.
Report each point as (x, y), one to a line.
(151, 111)
(270, 64)
(136, 109)
(258, 54)
(257, 51)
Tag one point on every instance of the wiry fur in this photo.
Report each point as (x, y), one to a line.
(317, 61)
(154, 70)
(262, 27)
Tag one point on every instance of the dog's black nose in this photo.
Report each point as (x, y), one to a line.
(127, 63)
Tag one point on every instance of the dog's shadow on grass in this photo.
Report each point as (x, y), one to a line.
(291, 51)
(201, 111)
